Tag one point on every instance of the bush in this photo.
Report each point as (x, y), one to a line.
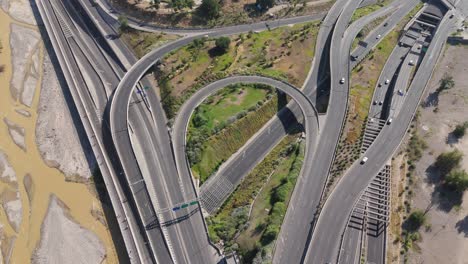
(460, 130)
(458, 180)
(181, 4)
(265, 4)
(270, 234)
(446, 83)
(415, 220)
(222, 44)
(448, 161)
(123, 24)
(209, 9)
(282, 192)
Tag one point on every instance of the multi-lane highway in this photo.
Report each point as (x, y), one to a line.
(145, 167)
(331, 224)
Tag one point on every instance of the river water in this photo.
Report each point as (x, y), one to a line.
(77, 197)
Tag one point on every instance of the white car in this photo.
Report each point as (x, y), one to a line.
(387, 81)
(364, 160)
(342, 80)
(378, 36)
(389, 121)
(411, 63)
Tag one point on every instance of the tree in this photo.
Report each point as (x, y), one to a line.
(222, 44)
(446, 83)
(265, 4)
(458, 180)
(181, 4)
(460, 130)
(415, 220)
(123, 24)
(448, 161)
(209, 9)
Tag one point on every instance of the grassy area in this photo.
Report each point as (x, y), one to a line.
(267, 189)
(363, 81)
(143, 42)
(207, 149)
(228, 103)
(364, 11)
(285, 53)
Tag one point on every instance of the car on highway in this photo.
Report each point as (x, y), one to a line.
(342, 80)
(380, 84)
(387, 81)
(411, 63)
(400, 92)
(380, 102)
(375, 102)
(364, 160)
(378, 36)
(389, 121)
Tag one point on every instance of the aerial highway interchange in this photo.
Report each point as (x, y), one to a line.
(142, 157)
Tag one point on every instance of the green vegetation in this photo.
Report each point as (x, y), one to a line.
(123, 24)
(460, 130)
(209, 9)
(448, 161)
(143, 42)
(457, 180)
(222, 44)
(181, 4)
(446, 83)
(415, 220)
(213, 143)
(265, 4)
(284, 53)
(253, 238)
(363, 11)
(415, 148)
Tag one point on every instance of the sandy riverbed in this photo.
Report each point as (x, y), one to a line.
(29, 219)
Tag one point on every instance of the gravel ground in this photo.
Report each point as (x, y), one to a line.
(7, 174)
(65, 241)
(56, 135)
(447, 240)
(11, 203)
(24, 45)
(16, 133)
(19, 10)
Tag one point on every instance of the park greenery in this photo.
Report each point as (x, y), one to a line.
(457, 180)
(224, 122)
(251, 218)
(285, 53)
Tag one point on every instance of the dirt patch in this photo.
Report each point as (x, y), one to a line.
(445, 239)
(11, 203)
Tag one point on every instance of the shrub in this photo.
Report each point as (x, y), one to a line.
(446, 83)
(282, 192)
(270, 234)
(265, 4)
(415, 220)
(448, 161)
(458, 180)
(222, 44)
(209, 9)
(460, 130)
(123, 23)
